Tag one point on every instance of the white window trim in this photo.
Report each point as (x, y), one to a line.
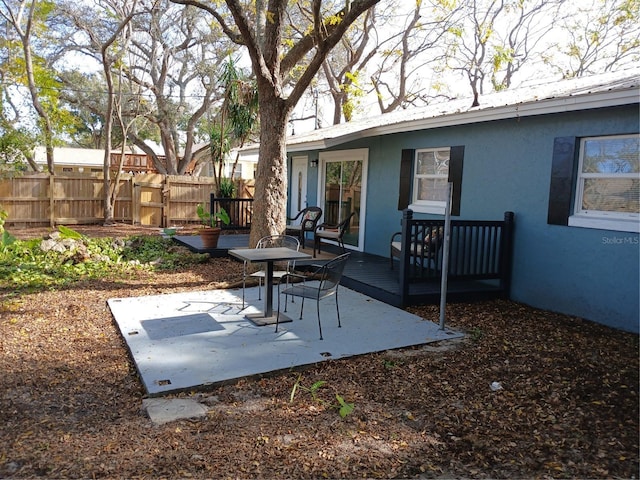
(423, 208)
(604, 223)
(621, 222)
(426, 206)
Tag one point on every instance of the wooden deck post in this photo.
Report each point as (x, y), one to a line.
(405, 256)
(506, 254)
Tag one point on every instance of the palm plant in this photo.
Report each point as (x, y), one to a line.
(238, 118)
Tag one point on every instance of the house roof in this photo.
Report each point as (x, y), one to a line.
(609, 89)
(65, 156)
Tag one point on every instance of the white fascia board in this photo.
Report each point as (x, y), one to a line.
(328, 142)
(539, 107)
(542, 107)
(561, 104)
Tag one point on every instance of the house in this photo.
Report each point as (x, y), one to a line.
(562, 156)
(245, 168)
(86, 161)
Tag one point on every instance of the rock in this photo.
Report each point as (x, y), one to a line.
(164, 410)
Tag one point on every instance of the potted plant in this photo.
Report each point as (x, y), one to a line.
(211, 231)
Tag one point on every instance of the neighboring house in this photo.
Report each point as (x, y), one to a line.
(245, 168)
(71, 160)
(562, 156)
(87, 161)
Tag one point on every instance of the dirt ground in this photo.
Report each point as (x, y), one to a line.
(70, 398)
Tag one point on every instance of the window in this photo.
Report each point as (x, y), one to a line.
(431, 178)
(595, 183)
(608, 183)
(237, 174)
(424, 176)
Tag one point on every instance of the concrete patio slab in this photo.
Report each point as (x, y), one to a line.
(187, 340)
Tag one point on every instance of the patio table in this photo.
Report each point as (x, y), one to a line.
(267, 256)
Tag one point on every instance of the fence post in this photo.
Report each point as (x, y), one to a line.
(131, 202)
(166, 201)
(135, 202)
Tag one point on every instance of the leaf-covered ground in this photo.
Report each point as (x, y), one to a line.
(70, 400)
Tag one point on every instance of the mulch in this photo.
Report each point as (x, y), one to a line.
(527, 394)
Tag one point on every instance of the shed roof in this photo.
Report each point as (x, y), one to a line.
(609, 89)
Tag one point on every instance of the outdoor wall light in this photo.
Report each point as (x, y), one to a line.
(314, 163)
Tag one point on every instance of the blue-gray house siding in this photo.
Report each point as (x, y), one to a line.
(507, 166)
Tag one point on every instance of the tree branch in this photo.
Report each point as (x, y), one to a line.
(235, 37)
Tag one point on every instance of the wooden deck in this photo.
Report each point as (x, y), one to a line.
(225, 243)
(368, 274)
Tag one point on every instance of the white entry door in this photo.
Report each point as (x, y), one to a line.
(298, 185)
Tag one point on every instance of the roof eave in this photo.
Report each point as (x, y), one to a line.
(530, 109)
(586, 101)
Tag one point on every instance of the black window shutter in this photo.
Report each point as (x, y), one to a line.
(563, 176)
(456, 158)
(406, 166)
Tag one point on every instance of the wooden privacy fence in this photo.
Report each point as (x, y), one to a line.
(152, 199)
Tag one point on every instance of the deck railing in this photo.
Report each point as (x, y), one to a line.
(240, 211)
(478, 250)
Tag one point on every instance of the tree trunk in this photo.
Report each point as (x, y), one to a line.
(270, 201)
(108, 126)
(169, 148)
(45, 120)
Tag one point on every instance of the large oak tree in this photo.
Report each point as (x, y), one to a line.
(27, 21)
(274, 55)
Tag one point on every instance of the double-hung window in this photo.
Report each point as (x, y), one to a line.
(607, 193)
(424, 176)
(430, 179)
(237, 174)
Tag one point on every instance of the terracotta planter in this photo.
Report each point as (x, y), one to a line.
(210, 237)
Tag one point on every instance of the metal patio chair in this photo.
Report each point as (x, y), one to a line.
(324, 282)
(279, 270)
(309, 218)
(326, 231)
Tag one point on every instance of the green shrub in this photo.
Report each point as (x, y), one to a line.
(68, 257)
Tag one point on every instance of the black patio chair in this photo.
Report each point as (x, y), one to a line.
(326, 279)
(326, 231)
(309, 218)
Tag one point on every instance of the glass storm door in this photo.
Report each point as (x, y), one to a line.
(343, 191)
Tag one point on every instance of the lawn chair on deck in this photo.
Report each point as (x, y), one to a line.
(422, 251)
(331, 232)
(309, 218)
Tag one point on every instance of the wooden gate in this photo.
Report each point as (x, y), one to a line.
(149, 207)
